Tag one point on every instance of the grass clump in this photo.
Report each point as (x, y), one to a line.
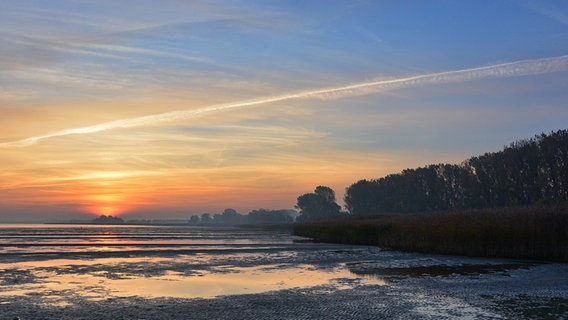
(536, 232)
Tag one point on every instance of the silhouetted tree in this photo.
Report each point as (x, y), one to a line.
(319, 204)
(194, 220)
(264, 216)
(525, 172)
(103, 219)
(231, 216)
(363, 197)
(206, 218)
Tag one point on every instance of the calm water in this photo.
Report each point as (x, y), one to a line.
(99, 262)
(45, 238)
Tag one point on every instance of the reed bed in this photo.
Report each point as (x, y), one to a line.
(535, 233)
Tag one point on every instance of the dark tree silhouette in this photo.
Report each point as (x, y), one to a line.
(228, 217)
(265, 216)
(194, 220)
(319, 204)
(206, 218)
(363, 197)
(103, 219)
(523, 173)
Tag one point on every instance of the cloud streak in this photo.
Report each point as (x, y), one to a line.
(548, 11)
(503, 70)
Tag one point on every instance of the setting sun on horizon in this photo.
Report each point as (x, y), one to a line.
(142, 110)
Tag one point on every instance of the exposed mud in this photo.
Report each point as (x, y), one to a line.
(440, 270)
(285, 280)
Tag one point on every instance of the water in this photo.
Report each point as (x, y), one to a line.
(142, 236)
(158, 272)
(103, 261)
(44, 238)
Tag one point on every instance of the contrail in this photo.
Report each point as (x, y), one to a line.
(510, 69)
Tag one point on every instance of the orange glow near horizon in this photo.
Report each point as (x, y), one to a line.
(104, 210)
(109, 204)
(85, 182)
(143, 116)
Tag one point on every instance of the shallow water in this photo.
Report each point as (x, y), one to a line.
(100, 262)
(28, 239)
(71, 271)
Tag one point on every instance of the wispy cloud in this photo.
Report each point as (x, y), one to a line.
(548, 11)
(510, 69)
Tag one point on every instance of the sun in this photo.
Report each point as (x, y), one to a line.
(106, 204)
(107, 210)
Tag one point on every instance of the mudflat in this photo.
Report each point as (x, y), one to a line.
(240, 274)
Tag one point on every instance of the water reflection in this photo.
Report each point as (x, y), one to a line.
(238, 281)
(70, 263)
(227, 280)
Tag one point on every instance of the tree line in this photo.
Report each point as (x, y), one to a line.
(232, 217)
(525, 172)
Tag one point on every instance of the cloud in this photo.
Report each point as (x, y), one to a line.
(503, 70)
(547, 11)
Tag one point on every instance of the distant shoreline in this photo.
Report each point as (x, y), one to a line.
(117, 224)
(274, 226)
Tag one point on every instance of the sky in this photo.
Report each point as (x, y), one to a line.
(165, 109)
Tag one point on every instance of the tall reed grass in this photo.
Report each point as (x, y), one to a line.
(537, 232)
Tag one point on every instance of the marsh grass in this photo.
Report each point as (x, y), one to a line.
(536, 232)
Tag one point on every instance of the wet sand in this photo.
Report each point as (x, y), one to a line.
(281, 280)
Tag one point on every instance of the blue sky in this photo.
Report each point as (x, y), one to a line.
(77, 76)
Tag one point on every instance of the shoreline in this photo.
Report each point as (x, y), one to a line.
(259, 226)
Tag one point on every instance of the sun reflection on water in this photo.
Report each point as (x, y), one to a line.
(70, 263)
(238, 281)
(57, 276)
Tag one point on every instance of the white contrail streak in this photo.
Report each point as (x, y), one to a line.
(510, 69)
